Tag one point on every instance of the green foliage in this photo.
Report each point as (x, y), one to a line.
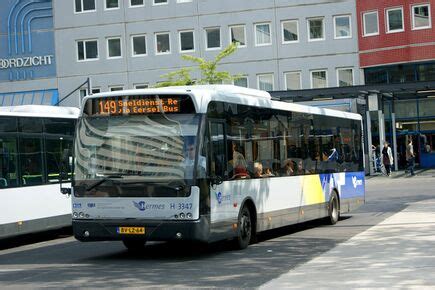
(179, 77)
(208, 69)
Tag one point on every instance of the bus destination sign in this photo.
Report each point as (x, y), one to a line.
(139, 105)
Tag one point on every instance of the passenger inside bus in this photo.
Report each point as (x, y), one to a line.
(268, 172)
(289, 168)
(238, 164)
(300, 168)
(189, 160)
(258, 169)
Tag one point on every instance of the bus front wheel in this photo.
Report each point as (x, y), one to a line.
(244, 229)
(333, 209)
(134, 245)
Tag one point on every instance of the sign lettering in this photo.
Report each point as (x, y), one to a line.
(28, 61)
(138, 106)
(125, 105)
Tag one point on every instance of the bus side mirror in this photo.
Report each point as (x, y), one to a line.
(215, 180)
(63, 170)
(65, 190)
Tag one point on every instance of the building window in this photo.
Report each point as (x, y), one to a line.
(265, 82)
(116, 88)
(87, 50)
(114, 47)
(426, 72)
(319, 79)
(187, 41)
(316, 29)
(83, 93)
(395, 20)
(163, 44)
(241, 82)
(342, 27)
(421, 16)
(84, 5)
(135, 3)
(139, 45)
(141, 86)
(290, 31)
(371, 23)
(238, 35)
(375, 76)
(160, 2)
(345, 77)
(262, 34)
(293, 81)
(112, 4)
(213, 38)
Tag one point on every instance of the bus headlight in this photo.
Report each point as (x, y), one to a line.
(75, 215)
(182, 216)
(189, 215)
(81, 215)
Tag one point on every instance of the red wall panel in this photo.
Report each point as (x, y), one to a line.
(386, 48)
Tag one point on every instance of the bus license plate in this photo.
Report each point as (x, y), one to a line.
(131, 230)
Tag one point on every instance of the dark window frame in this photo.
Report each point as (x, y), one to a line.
(66, 137)
(313, 136)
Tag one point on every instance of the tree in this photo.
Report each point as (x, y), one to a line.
(208, 69)
(179, 77)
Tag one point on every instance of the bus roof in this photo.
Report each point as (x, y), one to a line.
(40, 111)
(204, 94)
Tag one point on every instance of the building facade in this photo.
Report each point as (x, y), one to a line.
(27, 53)
(54, 52)
(129, 44)
(397, 46)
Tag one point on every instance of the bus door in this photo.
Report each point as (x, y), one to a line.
(217, 153)
(219, 193)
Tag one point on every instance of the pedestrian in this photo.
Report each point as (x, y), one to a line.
(428, 149)
(387, 158)
(410, 157)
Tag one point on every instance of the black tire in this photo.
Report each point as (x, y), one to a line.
(134, 245)
(333, 209)
(244, 229)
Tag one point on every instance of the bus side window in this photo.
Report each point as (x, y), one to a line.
(217, 146)
(31, 166)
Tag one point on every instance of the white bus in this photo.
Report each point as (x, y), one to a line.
(32, 138)
(207, 163)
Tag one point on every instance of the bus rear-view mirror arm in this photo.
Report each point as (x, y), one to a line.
(62, 171)
(215, 180)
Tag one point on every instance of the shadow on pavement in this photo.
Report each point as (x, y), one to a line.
(21, 240)
(168, 265)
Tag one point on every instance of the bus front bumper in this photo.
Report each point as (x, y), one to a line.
(107, 230)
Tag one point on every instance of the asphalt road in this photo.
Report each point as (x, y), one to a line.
(66, 263)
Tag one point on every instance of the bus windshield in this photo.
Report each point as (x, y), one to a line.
(135, 155)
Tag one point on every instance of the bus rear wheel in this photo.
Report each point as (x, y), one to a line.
(333, 209)
(134, 245)
(244, 229)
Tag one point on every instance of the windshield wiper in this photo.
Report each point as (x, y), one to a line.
(174, 185)
(178, 186)
(101, 181)
(171, 185)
